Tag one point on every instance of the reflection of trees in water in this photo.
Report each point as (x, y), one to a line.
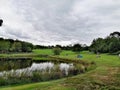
(28, 71)
(14, 64)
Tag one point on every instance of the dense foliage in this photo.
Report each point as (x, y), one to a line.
(110, 44)
(9, 45)
(77, 48)
(73, 47)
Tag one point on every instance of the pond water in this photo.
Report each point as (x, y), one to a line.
(41, 67)
(17, 70)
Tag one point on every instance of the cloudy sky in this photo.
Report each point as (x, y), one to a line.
(49, 22)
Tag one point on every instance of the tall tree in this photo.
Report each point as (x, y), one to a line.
(17, 47)
(110, 44)
(115, 34)
(77, 48)
(4, 46)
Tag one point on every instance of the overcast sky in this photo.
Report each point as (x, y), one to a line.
(49, 22)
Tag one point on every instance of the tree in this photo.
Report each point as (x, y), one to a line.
(58, 46)
(115, 34)
(4, 46)
(110, 44)
(57, 51)
(17, 47)
(10, 45)
(114, 46)
(85, 47)
(26, 47)
(77, 48)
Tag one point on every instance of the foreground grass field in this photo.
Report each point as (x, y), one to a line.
(104, 76)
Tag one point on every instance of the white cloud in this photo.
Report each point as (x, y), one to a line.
(59, 22)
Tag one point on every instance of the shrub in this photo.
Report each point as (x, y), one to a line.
(57, 51)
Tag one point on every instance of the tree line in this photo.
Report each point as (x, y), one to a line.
(10, 45)
(110, 44)
(75, 47)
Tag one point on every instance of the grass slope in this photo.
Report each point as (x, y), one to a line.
(106, 75)
(52, 85)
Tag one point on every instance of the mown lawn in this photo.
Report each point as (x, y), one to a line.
(52, 85)
(105, 76)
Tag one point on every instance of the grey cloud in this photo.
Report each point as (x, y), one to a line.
(60, 22)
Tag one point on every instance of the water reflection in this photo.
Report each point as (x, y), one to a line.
(41, 66)
(26, 71)
(6, 65)
(65, 67)
(35, 67)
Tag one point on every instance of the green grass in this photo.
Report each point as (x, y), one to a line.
(52, 85)
(45, 86)
(43, 51)
(105, 76)
(105, 59)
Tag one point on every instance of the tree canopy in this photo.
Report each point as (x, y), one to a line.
(110, 44)
(9, 45)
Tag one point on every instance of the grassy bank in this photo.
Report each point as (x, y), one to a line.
(51, 85)
(106, 75)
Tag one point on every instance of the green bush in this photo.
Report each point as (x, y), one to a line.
(57, 51)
